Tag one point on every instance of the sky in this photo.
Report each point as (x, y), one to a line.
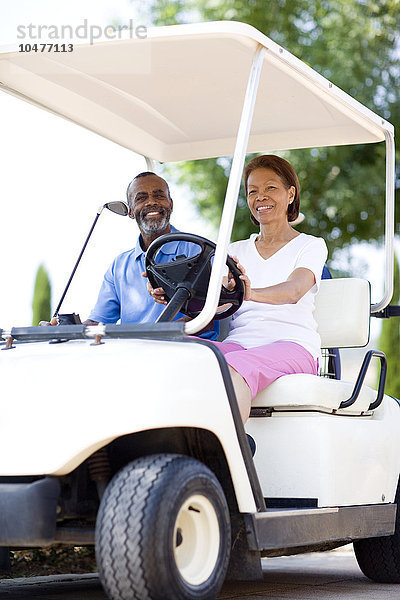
(54, 176)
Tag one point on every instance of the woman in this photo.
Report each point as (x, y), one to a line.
(273, 333)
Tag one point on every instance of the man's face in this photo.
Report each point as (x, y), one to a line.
(150, 203)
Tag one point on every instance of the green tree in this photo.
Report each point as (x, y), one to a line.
(389, 341)
(355, 44)
(41, 303)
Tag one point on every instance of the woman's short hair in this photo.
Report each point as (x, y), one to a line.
(287, 174)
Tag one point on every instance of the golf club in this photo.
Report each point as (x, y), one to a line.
(118, 207)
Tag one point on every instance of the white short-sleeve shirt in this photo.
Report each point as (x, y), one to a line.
(259, 323)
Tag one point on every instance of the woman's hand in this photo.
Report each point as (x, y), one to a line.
(228, 282)
(244, 278)
(157, 294)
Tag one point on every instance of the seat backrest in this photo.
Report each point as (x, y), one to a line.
(342, 311)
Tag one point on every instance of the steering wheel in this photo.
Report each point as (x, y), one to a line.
(192, 273)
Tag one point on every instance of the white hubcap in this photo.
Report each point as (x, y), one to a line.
(196, 539)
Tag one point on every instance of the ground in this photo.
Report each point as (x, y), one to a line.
(52, 561)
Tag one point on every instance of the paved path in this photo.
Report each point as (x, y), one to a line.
(331, 576)
(325, 576)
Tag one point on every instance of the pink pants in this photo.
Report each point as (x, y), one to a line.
(261, 365)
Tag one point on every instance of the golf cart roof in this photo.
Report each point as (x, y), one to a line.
(178, 94)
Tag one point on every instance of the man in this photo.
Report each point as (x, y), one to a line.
(123, 294)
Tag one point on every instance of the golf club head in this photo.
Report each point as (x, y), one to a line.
(118, 207)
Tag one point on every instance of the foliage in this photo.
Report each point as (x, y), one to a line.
(355, 45)
(389, 341)
(41, 303)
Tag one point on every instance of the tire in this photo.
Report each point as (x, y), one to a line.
(379, 558)
(163, 531)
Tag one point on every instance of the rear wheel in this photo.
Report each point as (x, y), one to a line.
(163, 531)
(379, 558)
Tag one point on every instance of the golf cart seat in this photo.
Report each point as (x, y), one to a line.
(343, 315)
(309, 392)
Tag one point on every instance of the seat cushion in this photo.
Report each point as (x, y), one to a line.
(310, 392)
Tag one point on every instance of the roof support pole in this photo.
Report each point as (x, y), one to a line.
(389, 223)
(149, 164)
(232, 192)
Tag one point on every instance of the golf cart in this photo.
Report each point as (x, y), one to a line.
(164, 484)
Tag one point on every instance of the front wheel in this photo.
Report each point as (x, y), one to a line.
(379, 558)
(163, 531)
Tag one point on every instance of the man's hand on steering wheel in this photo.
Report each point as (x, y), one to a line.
(157, 294)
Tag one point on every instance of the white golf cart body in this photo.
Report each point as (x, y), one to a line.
(324, 472)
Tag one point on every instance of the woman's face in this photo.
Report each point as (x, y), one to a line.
(267, 196)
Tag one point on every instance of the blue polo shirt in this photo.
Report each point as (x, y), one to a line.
(123, 293)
